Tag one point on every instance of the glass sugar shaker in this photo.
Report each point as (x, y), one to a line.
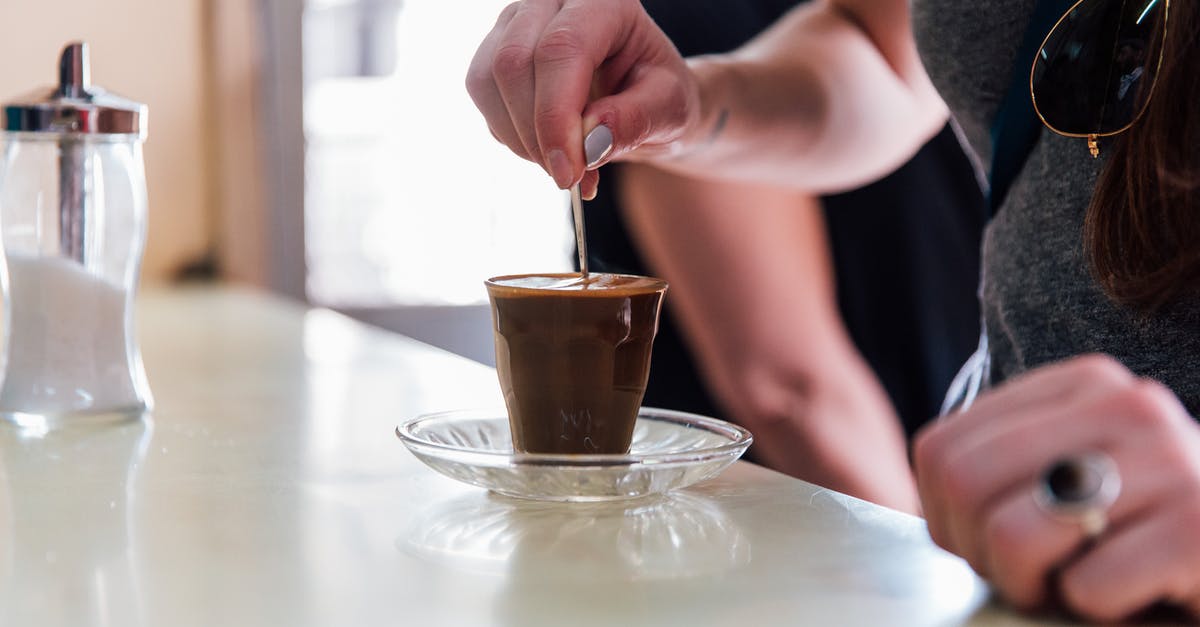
(73, 226)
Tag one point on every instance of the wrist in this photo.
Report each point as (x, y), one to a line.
(714, 78)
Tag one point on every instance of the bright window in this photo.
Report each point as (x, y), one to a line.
(408, 198)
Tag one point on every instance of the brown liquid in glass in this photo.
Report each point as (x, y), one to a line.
(573, 357)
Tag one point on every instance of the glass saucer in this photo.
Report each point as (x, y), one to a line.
(670, 449)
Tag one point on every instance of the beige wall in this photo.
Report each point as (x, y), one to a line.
(243, 237)
(148, 50)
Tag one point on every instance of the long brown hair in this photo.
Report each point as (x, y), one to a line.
(1142, 230)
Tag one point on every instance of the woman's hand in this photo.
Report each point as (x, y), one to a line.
(551, 71)
(976, 474)
(831, 97)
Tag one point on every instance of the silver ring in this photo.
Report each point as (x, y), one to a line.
(1080, 488)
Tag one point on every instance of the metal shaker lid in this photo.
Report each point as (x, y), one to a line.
(75, 107)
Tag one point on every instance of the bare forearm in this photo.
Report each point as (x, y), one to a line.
(831, 96)
(752, 288)
(839, 431)
(813, 103)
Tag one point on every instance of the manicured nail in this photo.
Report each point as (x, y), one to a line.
(560, 168)
(597, 145)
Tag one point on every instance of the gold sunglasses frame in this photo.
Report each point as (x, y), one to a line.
(1093, 138)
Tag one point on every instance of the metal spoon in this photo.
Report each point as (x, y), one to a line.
(597, 145)
(580, 240)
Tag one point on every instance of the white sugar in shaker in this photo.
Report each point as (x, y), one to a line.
(73, 227)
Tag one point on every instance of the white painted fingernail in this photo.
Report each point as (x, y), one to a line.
(597, 145)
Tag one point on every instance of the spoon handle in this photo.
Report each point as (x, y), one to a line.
(580, 240)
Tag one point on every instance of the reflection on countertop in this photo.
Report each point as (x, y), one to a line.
(678, 535)
(67, 498)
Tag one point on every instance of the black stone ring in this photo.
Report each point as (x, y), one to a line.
(1080, 488)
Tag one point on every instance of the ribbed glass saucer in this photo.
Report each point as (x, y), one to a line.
(670, 449)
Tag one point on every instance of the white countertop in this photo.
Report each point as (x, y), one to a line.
(269, 489)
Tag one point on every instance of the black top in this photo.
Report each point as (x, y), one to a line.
(905, 249)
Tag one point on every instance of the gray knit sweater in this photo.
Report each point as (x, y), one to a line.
(1040, 302)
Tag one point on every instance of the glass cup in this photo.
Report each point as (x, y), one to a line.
(573, 357)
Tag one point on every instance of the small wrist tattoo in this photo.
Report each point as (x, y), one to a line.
(718, 127)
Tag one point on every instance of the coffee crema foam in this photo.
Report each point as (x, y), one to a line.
(605, 282)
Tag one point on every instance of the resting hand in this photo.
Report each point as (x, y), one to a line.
(976, 473)
(550, 71)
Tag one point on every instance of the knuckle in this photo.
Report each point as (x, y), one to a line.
(631, 8)
(1102, 368)
(479, 81)
(510, 11)
(512, 62)
(549, 117)
(1178, 456)
(558, 45)
(1149, 405)
(1158, 397)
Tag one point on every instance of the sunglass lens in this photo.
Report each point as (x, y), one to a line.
(1095, 71)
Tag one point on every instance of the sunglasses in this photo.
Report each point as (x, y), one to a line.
(1094, 73)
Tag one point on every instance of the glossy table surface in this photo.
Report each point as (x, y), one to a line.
(268, 489)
